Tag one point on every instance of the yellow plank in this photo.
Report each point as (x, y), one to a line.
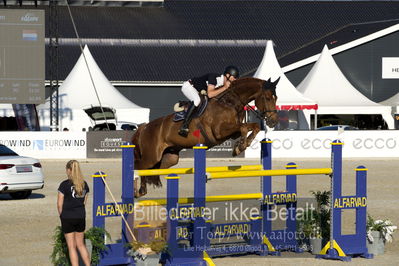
(314, 171)
(217, 198)
(183, 171)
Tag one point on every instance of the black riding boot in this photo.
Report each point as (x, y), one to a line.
(184, 128)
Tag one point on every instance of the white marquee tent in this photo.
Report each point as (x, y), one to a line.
(289, 98)
(334, 94)
(77, 93)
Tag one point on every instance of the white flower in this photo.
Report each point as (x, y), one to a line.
(386, 229)
(369, 236)
(387, 233)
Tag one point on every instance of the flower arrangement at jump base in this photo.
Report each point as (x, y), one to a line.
(148, 253)
(379, 232)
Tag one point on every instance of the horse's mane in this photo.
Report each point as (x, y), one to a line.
(235, 85)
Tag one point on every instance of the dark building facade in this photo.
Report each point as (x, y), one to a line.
(147, 51)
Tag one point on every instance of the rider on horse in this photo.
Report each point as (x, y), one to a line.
(210, 84)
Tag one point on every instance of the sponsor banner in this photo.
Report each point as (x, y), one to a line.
(106, 144)
(223, 150)
(316, 144)
(390, 67)
(46, 145)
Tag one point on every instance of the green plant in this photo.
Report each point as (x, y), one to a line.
(323, 212)
(60, 255)
(96, 237)
(307, 224)
(315, 222)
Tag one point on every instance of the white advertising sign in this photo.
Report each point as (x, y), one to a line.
(316, 144)
(46, 145)
(390, 67)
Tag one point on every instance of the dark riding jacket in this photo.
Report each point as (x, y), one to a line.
(201, 83)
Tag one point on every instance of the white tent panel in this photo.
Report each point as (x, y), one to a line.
(77, 92)
(334, 94)
(286, 92)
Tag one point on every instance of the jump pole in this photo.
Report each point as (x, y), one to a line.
(195, 254)
(116, 254)
(276, 244)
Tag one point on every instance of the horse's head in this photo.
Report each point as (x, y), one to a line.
(265, 102)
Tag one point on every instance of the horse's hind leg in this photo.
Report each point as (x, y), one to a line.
(169, 159)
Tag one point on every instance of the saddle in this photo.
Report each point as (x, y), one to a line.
(181, 108)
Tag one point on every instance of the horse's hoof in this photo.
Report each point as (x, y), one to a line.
(139, 195)
(236, 151)
(142, 192)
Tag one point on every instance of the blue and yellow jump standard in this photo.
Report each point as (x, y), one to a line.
(344, 247)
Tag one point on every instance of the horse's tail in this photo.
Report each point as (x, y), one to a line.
(136, 141)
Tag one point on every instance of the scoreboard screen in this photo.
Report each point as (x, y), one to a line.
(22, 56)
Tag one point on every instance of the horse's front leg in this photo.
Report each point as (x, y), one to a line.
(246, 140)
(255, 128)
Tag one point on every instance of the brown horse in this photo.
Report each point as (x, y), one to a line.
(158, 143)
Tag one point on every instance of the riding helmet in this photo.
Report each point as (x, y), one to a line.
(233, 71)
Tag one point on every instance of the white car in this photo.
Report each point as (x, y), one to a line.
(19, 175)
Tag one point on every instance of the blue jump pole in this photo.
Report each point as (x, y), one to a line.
(266, 186)
(197, 230)
(127, 190)
(200, 241)
(275, 244)
(172, 194)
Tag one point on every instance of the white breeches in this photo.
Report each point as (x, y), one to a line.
(191, 93)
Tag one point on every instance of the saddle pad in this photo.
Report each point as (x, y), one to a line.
(179, 116)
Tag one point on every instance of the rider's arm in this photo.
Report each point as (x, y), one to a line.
(213, 91)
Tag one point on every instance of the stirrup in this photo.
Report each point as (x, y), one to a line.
(184, 132)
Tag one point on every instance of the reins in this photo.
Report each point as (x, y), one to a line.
(258, 114)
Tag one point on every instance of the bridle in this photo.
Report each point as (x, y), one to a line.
(261, 114)
(258, 114)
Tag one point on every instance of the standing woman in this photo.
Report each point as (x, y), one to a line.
(72, 197)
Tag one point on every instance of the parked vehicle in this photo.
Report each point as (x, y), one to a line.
(19, 175)
(107, 115)
(336, 127)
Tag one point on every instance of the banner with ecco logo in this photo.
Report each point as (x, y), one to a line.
(317, 144)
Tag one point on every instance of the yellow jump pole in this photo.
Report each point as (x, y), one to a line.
(213, 169)
(313, 171)
(217, 198)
